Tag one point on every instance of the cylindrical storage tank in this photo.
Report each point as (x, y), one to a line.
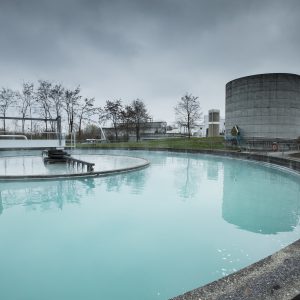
(213, 122)
(264, 106)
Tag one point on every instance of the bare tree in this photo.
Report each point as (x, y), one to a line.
(70, 105)
(139, 115)
(57, 95)
(188, 112)
(127, 119)
(113, 113)
(85, 112)
(43, 99)
(7, 98)
(26, 98)
(101, 116)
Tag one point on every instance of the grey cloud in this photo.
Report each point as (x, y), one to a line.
(152, 49)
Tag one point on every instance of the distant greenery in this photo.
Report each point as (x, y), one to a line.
(172, 143)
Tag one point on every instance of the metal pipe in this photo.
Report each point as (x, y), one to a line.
(24, 137)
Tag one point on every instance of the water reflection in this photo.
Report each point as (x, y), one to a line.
(212, 170)
(134, 180)
(1, 204)
(187, 178)
(43, 195)
(192, 173)
(52, 194)
(260, 200)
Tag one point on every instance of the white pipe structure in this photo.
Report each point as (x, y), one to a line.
(21, 141)
(104, 137)
(14, 136)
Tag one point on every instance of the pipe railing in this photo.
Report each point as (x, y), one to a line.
(13, 136)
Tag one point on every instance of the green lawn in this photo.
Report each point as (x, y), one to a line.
(173, 143)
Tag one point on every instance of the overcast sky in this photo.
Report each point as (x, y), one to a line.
(155, 50)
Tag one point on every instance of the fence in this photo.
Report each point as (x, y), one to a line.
(254, 144)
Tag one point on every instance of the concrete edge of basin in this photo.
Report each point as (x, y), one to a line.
(274, 277)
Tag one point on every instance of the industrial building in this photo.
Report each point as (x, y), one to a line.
(264, 107)
(147, 130)
(213, 125)
(213, 122)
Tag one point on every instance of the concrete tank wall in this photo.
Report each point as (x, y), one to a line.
(264, 106)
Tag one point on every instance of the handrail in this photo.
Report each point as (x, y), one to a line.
(89, 166)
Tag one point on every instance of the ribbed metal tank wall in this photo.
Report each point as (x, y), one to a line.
(264, 106)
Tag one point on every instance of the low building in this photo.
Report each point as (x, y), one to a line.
(147, 130)
(213, 122)
(156, 127)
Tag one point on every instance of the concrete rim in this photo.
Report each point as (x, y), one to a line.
(261, 75)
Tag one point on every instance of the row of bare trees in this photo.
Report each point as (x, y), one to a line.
(47, 100)
(187, 111)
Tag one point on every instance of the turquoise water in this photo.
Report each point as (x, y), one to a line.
(151, 234)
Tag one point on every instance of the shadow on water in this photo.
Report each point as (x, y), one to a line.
(260, 201)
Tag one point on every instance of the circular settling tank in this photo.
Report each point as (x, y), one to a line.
(33, 166)
(155, 233)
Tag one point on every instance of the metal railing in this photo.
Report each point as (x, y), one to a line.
(265, 145)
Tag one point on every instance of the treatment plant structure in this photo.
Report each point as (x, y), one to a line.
(263, 109)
